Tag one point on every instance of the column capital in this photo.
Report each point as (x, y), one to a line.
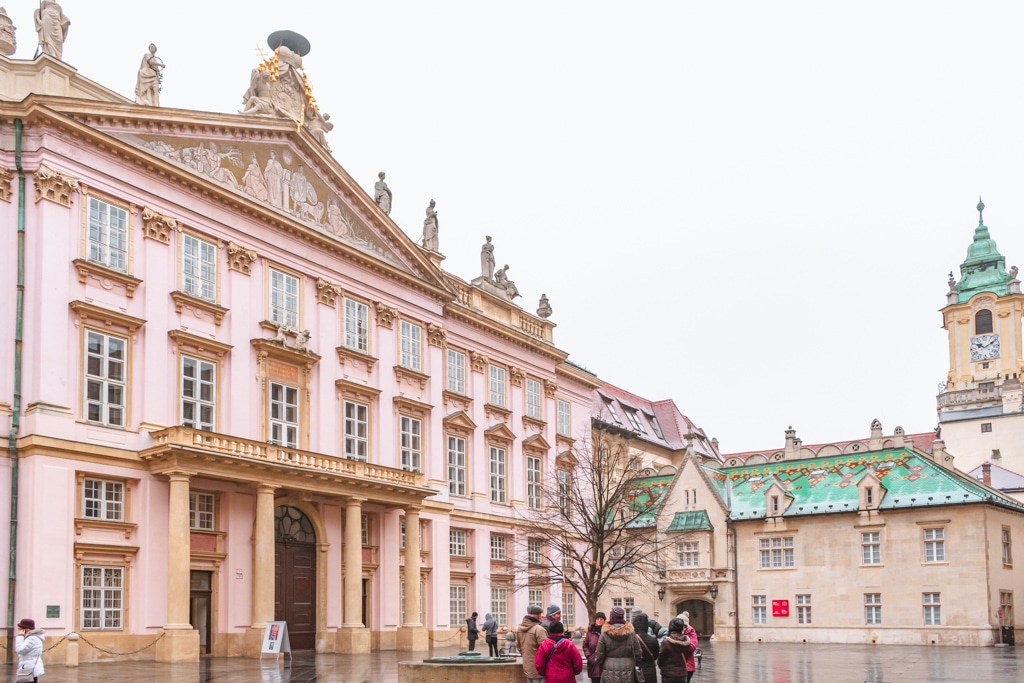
(266, 488)
(413, 509)
(179, 475)
(354, 500)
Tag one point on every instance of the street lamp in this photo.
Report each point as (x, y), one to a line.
(661, 593)
(714, 591)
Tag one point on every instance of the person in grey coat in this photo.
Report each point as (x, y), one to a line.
(491, 634)
(618, 650)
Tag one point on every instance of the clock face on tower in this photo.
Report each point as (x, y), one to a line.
(985, 347)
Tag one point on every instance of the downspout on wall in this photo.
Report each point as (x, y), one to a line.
(12, 439)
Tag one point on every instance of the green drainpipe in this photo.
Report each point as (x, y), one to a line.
(12, 439)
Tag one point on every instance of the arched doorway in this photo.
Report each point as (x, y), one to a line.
(702, 616)
(295, 575)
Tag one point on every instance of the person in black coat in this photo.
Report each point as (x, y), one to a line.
(648, 648)
(472, 632)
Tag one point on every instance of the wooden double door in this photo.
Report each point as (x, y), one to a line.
(295, 580)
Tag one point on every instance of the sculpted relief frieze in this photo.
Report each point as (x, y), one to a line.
(275, 176)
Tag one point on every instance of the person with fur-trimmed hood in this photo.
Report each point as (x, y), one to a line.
(618, 650)
(529, 637)
(676, 654)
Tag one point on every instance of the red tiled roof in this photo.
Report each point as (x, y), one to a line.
(922, 442)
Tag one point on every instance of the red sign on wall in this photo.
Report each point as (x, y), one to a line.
(780, 608)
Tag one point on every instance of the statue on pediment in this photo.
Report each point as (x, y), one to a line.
(273, 175)
(487, 260)
(256, 100)
(382, 194)
(430, 228)
(318, 124)
(52, 26)
(501, 279)
(150, 79)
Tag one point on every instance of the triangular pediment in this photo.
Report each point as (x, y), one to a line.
(536, 443)
(459, 420)
(501, 433)
(286, 174)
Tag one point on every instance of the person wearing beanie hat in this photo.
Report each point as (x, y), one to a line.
(690, 633)
(618, 650)
(529, 637)
(648, 646)
(554, 613)
(675, 654)
(557, 659)
(590, 646)
(29, 646)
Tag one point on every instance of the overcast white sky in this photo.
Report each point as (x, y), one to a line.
(748, 207)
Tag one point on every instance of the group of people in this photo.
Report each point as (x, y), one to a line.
(617, 651)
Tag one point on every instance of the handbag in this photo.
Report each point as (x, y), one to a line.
(26, 670)
(638, 675)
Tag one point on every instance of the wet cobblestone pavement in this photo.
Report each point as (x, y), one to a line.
(723, 663)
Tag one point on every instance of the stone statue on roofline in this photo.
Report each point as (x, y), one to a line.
(382, 194)
(487, 260)
(544, 309)
(430, 228)
(150, 79)
(502, 281)
(52, 26)
(8, 42)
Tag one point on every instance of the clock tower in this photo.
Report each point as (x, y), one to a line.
(979, 405)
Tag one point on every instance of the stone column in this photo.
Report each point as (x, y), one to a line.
(180, 642)
(262, 569)
(354, 636)
(412, 635)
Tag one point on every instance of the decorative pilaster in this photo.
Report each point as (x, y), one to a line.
(54, 186)
(158, 227)
(241, 258)
(386, 315)
(327, 292)
(354, 637)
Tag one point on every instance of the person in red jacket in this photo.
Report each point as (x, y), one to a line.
(558, 660)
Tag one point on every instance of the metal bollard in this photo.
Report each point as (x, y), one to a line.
(71, 653)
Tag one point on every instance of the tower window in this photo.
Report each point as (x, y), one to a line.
(983, 322)
(986, 427)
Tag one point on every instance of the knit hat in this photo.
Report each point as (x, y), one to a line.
(686, 618)
(534, 609)
(553, 609)
(676, 626)
(600, 615)
(618, 616)
(27, 623)
(556, 627)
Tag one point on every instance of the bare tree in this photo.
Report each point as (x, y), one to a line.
(595, 523)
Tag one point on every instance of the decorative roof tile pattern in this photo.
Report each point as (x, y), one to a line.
(645, 499)
(690, 521)
(829, 485)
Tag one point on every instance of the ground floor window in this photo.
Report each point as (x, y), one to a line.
(459, 599)
(1006, 607)
(759, 609)
(932, 609)
(499, 605)
(569, 609)
(102, 598)
(536, 597)
(803, 609)
(872, 609)
(626, 604)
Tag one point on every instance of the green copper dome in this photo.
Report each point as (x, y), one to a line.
(985, 268)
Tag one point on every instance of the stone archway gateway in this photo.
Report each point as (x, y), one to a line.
(702, 616)
(295, 575)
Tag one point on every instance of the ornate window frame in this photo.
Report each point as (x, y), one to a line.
(272, 364)
(108, 277)
(204, 349)
(107, 322)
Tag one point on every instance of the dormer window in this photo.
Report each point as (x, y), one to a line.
(634, 420)
(611, 411)
(775, 505)
(869, 495)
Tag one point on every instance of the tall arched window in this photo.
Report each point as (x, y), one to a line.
(983, 322)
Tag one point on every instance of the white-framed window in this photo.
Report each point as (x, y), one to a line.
(198, 393)
(457, 542)
(357, 325)
(627, 604)
(569, 609)
(284, 415)
(458, 602)
(534, 498)
(657, 427)
(198, 268)
(499, 605)
(620, 563)
(200, 511)
(456, 465)
(102, 595)
(105, 379)
(534, 550)
(284, 299)
(759, 609)
(498, 463)
(108, 235)
(499, 547)
(455, 371)
(872, 609)
(103, 500)
(777, 552)
(566, 553)
(364, 529)
(932, 604)
(496, 386)
(410, 435)
(565, 494)
(1007, 546)
(357, 430)
(611, 411)
(803, 609)
(535, 596)
(412, 352)
(871, 547)
(533, 399)
(1006, 605)
(564, 418)
(935, 545)
(634, 420)
(689, 554)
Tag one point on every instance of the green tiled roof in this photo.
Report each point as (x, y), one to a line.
(645, 499)
(827, 485)
(690, 521)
